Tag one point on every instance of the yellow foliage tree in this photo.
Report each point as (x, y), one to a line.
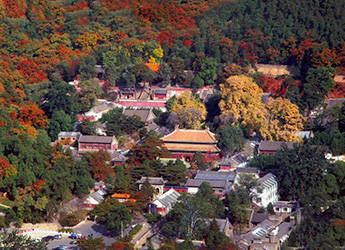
(284, 120)
(88, 41)
(190, 111)
(241, 99)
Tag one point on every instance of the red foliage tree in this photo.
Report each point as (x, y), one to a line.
(187, 43)
(166, 36)
(100, 165)
(31, 72)
(15, 8)
(272, 85)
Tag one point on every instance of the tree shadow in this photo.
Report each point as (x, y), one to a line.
(103, 230)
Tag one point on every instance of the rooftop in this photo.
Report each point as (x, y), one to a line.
(222, 223)
(191, 135)
(213, 183)
(248, 170)
(152, 180)
(268, 180)
(101, 108)
(145, 115)
(339, 78)
(169, 198)
(160, 91)
(69, 134)
(277, 69)
(121, 196)
(188, 147)
(334, 101)
(98, 196)
(213, 175)
(259, 217)
(96, 139)
(274, 145)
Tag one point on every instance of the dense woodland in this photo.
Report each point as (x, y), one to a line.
(45, 44)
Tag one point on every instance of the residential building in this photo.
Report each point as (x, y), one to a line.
(178, 189)
(157, 183)
(94, 143)
(118, 158)
(184, 143)
(94, 199)
(269, 191)
(255, 172)
(69, 137)
(160, 94)
(163, 204)
(220, 188)
(97, 112)
(269, 234)
(231, 163)
(285, 207)
(127, 93)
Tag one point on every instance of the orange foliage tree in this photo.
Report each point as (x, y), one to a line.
(30, 114)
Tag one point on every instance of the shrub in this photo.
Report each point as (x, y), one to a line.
(134, 230)
(66, 230)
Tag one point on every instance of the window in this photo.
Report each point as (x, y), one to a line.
(285, 209)
(108, 147)
(89, 146)
(258, 199)
(82, 146)
(101, 146)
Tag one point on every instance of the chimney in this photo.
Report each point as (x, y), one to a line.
(273, 237)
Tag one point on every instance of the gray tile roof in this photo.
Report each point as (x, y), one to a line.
(222, 223)
(248, 170)
(95, 139)
(268, 180)
(160, 91)
(143, 114)
(259, 217)
(169, 198)
(283, 229)
(213, 183)
(69, 134)
(117, 156)
(274, 145)
(97, 196)
(152, 180)
(213, 175)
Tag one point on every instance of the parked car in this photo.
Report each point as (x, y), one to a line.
(61, 247)
(37, 240)
(48, 238)
(57, 236)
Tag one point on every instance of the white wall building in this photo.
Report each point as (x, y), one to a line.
(269, 191)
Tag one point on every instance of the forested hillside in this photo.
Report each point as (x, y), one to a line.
(46, 43)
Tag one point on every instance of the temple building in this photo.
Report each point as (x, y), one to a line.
(184, 143)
